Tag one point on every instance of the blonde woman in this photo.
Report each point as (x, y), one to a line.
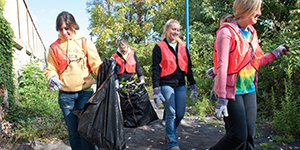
(237, 58)
(171, 63)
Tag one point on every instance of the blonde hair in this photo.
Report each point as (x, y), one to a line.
(123, 43)
(167, 25)
(241, 7)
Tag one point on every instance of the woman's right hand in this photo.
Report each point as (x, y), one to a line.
(55, 83)
(157, 95)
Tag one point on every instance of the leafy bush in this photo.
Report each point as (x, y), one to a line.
(287, 118)
(37, 113)
(278, 94)
(144, 55)
(201, 52)
(203, 107)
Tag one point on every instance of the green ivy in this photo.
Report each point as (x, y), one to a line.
(6, 55)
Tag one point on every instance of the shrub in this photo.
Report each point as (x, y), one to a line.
(278, 94)
(287, 118)
(37, 113)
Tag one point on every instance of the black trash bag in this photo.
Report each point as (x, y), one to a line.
(101, 121)
(136, 106)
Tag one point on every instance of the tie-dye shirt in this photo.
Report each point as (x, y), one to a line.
(245, 77)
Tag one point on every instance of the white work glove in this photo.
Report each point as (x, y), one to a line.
(55, 83)
(142, 80)
(117, 85)
(210, 73)
(157, 96)
(194, 92)
(221, 108)
(281, 50)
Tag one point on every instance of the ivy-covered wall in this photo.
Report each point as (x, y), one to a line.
(6, 56)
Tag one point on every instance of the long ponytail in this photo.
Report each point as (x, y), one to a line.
(226, 18)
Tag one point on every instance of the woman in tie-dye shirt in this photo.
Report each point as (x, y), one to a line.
(237, 57)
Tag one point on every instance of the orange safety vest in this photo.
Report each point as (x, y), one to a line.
(62, 59)
(168, 62)
(130, 64)
(244, 52)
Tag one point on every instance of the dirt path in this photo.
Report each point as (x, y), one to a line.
(192, 134)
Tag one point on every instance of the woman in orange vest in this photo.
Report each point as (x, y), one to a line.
(70, 61)
(237, 58)
(171, 63)
(127, 64)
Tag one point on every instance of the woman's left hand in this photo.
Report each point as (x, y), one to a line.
(194, 92)
(282, 49)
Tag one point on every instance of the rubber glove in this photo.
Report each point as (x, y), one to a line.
(55, 83)
(142, 80)
(221, 108)
(117, 84)
(158, 96)
(194, 92)
(281, 50)
(210, 73)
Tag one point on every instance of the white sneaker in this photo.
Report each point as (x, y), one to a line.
(163, 123)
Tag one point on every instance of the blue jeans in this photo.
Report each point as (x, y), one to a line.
(240, 123)
(71, 100)
(175, 100)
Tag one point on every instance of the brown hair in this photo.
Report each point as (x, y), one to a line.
(123, 43)
(226, 18)
(68, 19)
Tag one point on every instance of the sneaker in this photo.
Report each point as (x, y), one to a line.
(163, 123)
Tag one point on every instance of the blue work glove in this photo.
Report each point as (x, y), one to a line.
(158, 96)
(281, 50)
(221, 108)
(210, 73)
(55, 83)
(194, 92)
(142, 80)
